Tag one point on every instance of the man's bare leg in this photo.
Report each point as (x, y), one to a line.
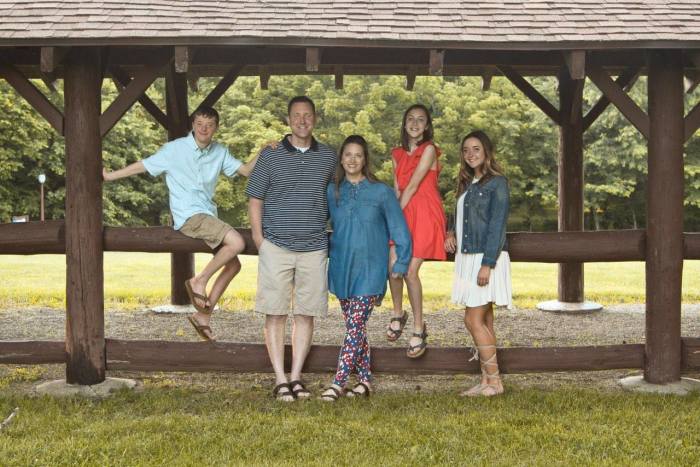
(302, 334)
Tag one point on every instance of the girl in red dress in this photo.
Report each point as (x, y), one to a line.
(416, 171)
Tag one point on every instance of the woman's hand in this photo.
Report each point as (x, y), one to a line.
(450, 243)
(482, 278)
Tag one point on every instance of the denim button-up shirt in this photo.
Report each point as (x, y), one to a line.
(485, 216)
(364, 218)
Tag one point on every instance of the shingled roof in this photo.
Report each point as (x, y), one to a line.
(535, 24)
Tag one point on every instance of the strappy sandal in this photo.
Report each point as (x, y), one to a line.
(489, 389)
(201, 329)
(194, 296)
(359, 393)
(302, 392)
(417, 351)
(283, 393)
(331, 396)
(394, 334)
(476, 390)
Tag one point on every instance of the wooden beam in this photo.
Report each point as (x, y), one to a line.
(122, 80)
(538, 99)
(264, 78)
(664, 246)
(193, 82)
(410, 78)
(133, 91)
(691, 123)
(690, 353)
(50, 58)
(691, 245)
(85, 343)
(576, 63)
(182, 58)
(339, 77)
(223, 85)
(313, 59)
(436, 63)
(691, 81)
(486, 77)
(625, 81)
(33, 96)
(32, 352)
(620, 99)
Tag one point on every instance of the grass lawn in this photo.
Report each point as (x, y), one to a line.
(133, 280)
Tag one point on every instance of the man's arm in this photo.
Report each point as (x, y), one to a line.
(129, 170)
(247, 168)
(255, 209)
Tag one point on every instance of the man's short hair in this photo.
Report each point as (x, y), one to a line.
(298, 99)
(206, 111)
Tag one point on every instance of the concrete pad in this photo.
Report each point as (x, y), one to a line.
(59, 388)
(176, 309)
(680, 388)
(569, 307)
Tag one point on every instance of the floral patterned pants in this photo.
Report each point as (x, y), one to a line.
(354, 355)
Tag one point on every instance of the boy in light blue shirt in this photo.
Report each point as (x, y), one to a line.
(192, 165)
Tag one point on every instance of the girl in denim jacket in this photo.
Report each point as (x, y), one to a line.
(482, 264)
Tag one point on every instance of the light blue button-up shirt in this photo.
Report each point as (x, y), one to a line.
(191, 174)
(364, 217)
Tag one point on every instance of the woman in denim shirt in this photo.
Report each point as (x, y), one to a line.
(482, 264)
(364, 214)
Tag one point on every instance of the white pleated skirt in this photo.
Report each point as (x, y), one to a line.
(466, 291)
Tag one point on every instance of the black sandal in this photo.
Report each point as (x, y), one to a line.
(302, 392)
(328, 396)
(394, 334)
(356, 393)
(283, 390)
(417, 351)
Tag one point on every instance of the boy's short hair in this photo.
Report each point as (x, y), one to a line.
(206, 111)
(298, 99)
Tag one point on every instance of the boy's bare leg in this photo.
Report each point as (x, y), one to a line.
(229, 271)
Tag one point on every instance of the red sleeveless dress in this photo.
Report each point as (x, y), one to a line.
(424, 214)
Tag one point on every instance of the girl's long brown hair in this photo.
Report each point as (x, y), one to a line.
(490, 167)
(340, 172)
(427, 134)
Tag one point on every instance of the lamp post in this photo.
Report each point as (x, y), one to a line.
(42, 179)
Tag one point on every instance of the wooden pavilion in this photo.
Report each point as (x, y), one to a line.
(136, 42)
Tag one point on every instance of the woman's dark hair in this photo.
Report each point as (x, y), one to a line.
(427, 134)
(490, 166)
(340, 172)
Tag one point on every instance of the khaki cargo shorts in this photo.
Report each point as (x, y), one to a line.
(290, 280)
(206, 227)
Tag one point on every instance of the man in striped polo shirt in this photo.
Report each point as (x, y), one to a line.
(288, 217)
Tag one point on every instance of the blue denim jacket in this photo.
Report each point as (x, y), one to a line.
(485, 218)
(364, 217)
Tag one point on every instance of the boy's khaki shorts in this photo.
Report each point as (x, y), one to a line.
(290, 280)
(206, 227)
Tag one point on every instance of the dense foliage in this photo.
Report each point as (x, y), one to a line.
(526, 140)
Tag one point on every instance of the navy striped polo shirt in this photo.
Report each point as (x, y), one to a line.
(292, 185)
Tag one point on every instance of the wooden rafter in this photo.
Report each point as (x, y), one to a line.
(264, 78)
(33, 96)
(225, 83)
(577, 101)
(339, 77)
(135, 89)
(620, 99)
(122, 80)
(436, 62)
(410, 78)
(486, 78)
(313, 59)
(533, 94)
(182, 59)
(626, 80)
(692, 122)
(576, 63)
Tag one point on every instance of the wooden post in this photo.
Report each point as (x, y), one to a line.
(664, 246)
(570, 181)
(85, 343)
(181, 264)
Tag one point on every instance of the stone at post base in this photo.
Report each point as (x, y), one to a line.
(176, 309)
(59, 388)
(680, 388)
(569, 307)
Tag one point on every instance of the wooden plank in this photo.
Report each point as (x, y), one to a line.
(576, 63)
(223, 85)
(182, 58)
(264, 78)
(123, 79)
(339, 77)
(313, 59)
(620, 99)
(33, 96)
(410, 79)
(193, 82)
(235, 357)
(135, 89)
(691, 81)
(436, 62)
(51, 57)
(664, 245)
(32, 352)
(690, 353)
(526, 88)
(486, 78)
(85, 344)
(691, 245)
(570, 181)
(691, 123)
(625, 81)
